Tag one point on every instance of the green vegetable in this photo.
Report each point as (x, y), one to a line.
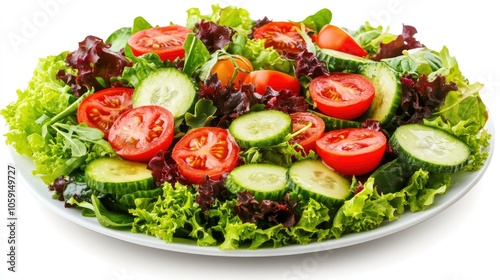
(367, 210)
(261, 129)
(119, 38)
(105, 217)
(337, 61)
(319, 19)
(370, 37)
(387, 92)
(234, 17)
(44, 97)
(264, 181)
(178, 95)
(429, 148)
(313, 179)
(114, 175)
(266, 58)
(196, 54)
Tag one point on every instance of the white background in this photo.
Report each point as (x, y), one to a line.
(460, 243)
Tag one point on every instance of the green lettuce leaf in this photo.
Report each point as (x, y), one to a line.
(308, 229)
(419, 61)
(423, 187)
(266, 58)
(370, 37)
(365, 211)
(44, 97)
(234, 17)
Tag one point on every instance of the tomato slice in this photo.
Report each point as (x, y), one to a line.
(140, 133)
(102, 108)
(275, 79)
(282, 36)
(166, 41)
(226, 72)
(352, 151)
(336, 38)
(342, 95)
(204, 151)
(307, 139)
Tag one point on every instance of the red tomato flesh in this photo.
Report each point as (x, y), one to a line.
(282, 36)
(307, 139)
(166, 41)
(271, 78)
(205, 151)
(342, 95)
(140, 133)
(102, 108)
(336, 38)
(352, 151)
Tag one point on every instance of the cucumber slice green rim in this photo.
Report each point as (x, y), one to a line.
(387, 92)
(313, 179)
(167, 87)
(261, 129)
(429, 148)
(340, 61)
(264, 181)
(114, 175)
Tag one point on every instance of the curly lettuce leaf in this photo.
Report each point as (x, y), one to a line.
(266, 58)
(234, 17)
(366, 210)
(308, 229)
(370, 37)
(44, 97)
(423, 187)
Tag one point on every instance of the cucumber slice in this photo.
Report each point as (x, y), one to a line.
(429, 148)
(264, 181)
(387, 92)
(341, 62)
(117, 176)
(332, 123)
(129, 198)
(261, 129)
(313, 179)
(167, 87)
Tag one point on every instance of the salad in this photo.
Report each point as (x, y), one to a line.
(238, 132)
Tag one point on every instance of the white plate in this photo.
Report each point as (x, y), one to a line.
(462, 183)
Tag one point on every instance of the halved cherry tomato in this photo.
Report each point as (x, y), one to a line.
(204, 151)
(140, 133)
(102, 108)
(352, 151)
(307, 139)
(282, 36)
(336, 38)
(225, 69)
(342, 95)
(275, 79)
(165, 41)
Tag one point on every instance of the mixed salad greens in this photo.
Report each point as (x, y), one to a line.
(76, 148)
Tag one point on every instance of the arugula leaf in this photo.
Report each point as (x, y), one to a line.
(119, 38)
(105, 217)
(316, 21)
(140, 23)
(196, 54)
